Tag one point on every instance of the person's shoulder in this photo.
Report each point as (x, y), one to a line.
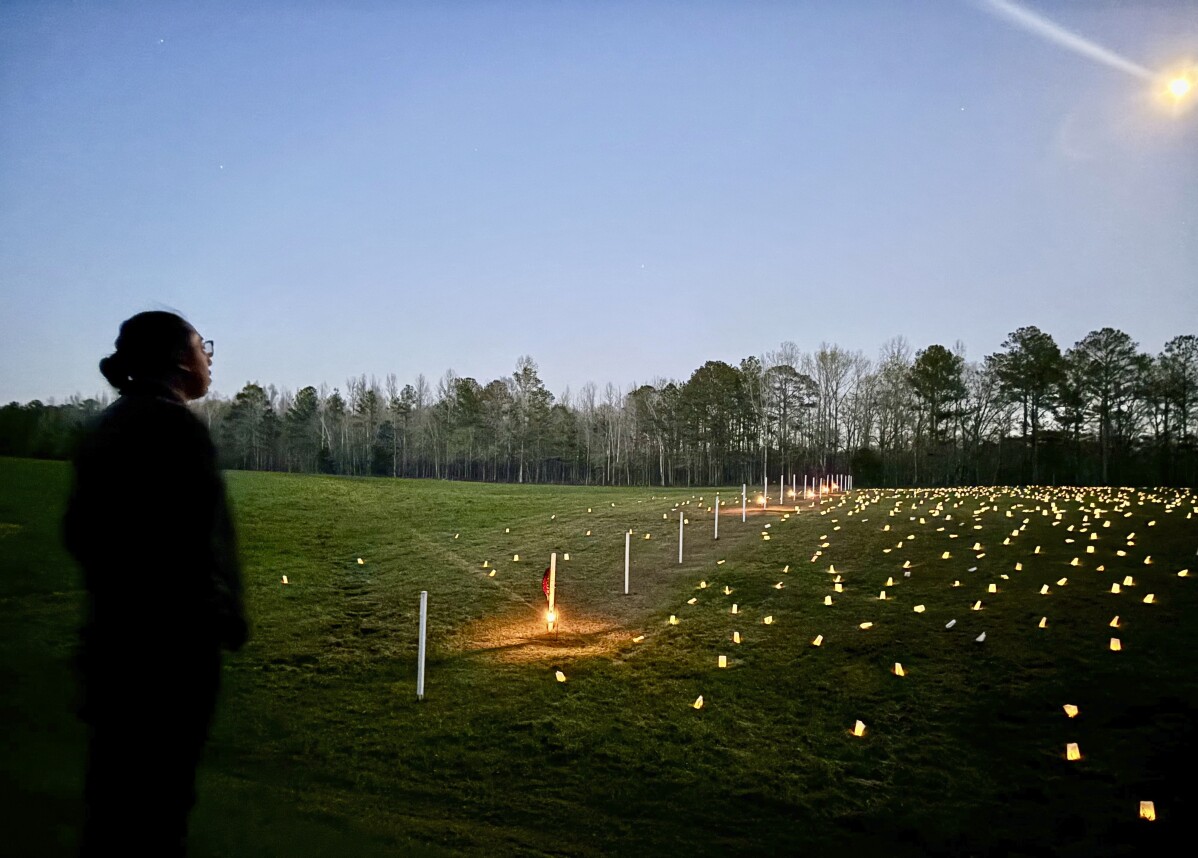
(162, 416)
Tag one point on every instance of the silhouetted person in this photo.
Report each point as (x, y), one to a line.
(149, 524)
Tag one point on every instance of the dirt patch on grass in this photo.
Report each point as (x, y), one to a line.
(522, 640)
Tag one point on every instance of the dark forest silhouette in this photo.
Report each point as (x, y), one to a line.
(1100, 412)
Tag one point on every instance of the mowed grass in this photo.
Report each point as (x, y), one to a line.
(321, 748)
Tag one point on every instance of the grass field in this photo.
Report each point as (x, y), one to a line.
(320, 747)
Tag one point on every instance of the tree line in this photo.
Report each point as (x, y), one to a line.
(1099, 412)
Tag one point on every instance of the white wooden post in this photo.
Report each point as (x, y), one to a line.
(717, 515)
(679, 536)
(552, 588)
(627, 541)
(422, 646)
(743, 500)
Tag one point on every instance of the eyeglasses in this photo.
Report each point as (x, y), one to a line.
(209, 348)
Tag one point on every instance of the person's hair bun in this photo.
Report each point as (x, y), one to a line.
(114, 370)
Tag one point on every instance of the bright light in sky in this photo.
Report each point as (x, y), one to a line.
(1178, 87)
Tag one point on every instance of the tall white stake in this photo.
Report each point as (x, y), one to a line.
(423, 640)
(627, 541)
(743, 500)
(552, 616)
(765, 491)
(717, 515)
(680, 536)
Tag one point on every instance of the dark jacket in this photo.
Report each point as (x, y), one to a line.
(149, 522)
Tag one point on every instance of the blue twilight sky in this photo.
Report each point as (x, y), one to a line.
(622, 190)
